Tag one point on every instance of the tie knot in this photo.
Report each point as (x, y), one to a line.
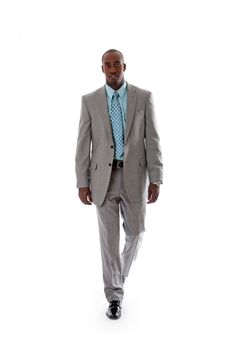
(116, 94)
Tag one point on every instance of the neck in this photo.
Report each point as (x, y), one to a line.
(116, 86)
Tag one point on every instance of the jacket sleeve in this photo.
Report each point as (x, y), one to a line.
(82, 158)
(152, 141)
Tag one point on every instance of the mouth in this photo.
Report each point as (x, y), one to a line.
(113, 77)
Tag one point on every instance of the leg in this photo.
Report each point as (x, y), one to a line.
(133, 214)
(108, 219)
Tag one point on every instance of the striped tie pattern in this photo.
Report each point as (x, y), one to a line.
(117, 126)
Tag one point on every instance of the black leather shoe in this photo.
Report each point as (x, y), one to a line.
(114, 310)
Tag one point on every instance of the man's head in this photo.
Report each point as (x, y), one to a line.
(113, 67)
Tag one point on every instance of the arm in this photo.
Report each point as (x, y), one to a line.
(153, 152)
(82, 158)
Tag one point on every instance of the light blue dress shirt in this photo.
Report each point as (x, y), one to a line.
(123, 101)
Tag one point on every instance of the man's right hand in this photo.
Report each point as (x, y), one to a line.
(85, 195)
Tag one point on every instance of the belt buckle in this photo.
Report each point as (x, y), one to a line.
(118, 164)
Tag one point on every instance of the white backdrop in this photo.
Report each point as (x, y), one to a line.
(179, 293)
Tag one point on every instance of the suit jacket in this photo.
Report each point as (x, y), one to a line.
(94, 154)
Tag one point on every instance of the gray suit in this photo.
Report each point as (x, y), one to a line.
(94, 157)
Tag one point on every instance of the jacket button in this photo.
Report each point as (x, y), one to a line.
(110, 164)
(111, 146)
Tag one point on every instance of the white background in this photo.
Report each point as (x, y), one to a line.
(179, 293)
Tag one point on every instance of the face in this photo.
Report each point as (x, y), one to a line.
(113, 67)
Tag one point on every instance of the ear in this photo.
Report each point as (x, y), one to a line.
(102, 67)
(124, 67)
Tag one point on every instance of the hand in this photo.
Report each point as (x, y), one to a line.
(85, 195)
(153, 193)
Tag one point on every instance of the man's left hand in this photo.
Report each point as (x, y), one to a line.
(153, 193)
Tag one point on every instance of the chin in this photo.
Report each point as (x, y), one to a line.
(114, 82)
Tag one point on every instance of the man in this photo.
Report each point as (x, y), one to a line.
(117, 148)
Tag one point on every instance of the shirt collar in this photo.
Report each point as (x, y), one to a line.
(111, 91)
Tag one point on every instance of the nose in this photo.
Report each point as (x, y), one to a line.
(113, 69)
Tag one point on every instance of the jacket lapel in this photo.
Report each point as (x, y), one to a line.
(131, 106)
(103, 110)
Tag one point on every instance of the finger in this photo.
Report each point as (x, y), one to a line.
(150, 201)
(153, 197)
(84, 199)
(90, 197)
(149, 198)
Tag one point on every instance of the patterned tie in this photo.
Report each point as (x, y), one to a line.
(117, 126)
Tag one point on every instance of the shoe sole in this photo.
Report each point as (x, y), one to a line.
(112, 317)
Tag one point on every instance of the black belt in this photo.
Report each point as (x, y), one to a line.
(117, 163)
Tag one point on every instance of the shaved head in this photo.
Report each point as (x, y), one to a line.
(113, 51)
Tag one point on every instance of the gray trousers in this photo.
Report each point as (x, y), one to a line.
(116, 265)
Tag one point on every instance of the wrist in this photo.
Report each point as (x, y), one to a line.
(157, 183)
